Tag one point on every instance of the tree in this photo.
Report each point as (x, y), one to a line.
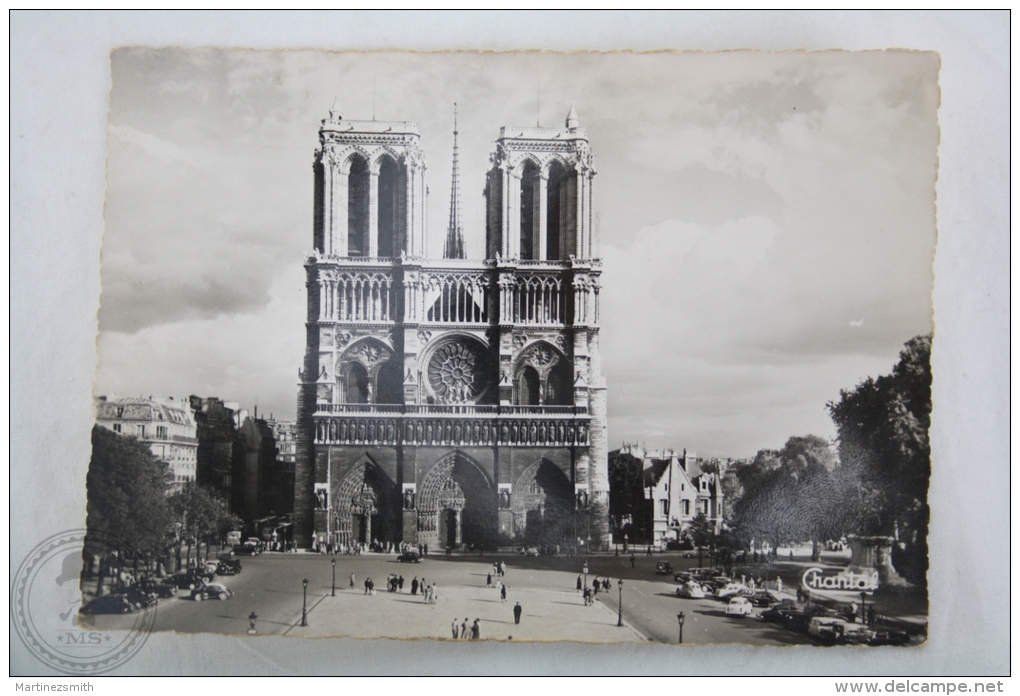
(787, 494)
(198, 514)
(883, 446)
(626, 494)
(126, 492)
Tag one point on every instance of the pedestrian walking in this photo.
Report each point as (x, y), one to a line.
(453, 628)
(414, 585)
(502, 593)
(517, 613)
(464, 629)
(632, 560)
(367, 583)
(587, 596)
(400, 583)
(476, 630)
(488, 580)
(352, 581)
(580, 583)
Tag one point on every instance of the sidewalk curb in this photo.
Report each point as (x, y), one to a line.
(626, 623)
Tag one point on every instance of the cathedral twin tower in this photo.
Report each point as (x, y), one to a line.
(448, 401)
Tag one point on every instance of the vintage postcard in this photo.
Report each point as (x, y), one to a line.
(519, 347)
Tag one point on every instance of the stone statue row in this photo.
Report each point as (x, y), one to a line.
(334, 430)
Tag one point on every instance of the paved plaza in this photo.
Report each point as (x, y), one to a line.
(270, 585)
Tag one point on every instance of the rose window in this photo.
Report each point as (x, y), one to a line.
(457, 373)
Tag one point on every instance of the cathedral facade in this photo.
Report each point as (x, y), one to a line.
(448, 401)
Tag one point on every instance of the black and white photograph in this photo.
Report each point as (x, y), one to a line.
(622, 349)
(587, 347)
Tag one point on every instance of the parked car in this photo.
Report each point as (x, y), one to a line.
(731, 589)
(663, 568)
(690, 590)
(780, 614)
(110, 604)
(409, 557)
(761, 598)
(187, 581)
(888, 637)
(211, 590)
(210, 567)
(161, 588)
(229, 566)
(832, 629)
(530, 551)
(739, 606)
(247, 549)
(139, 598)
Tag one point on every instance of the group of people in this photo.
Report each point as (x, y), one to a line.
(395, 583)
(589, 593)
(356, 549)
(465, 632)
(499, 569)
(429, 592)
(500, 585)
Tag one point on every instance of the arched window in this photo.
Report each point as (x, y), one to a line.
(553, 212)
(528, 387)
(559, 389)
(357, 384)
(392, 194)
(390, 384)
(529, 211)
(357, 207)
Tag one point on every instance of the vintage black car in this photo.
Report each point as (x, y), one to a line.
(409, 557)
(110, 604)
(663, 568)
(228, 566)
(188, 581)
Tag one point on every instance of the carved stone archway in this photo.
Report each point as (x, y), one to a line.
(364, 505)
(456, 490)
(369, 354)
(544, 493)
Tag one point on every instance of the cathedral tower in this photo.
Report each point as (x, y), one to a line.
(451, 402)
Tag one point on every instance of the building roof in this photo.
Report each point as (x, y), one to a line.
(141, 408)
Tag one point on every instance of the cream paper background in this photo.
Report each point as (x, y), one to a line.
(60, 82)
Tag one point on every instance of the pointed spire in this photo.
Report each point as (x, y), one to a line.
(572, 120)
(454, 248)
(335, 114)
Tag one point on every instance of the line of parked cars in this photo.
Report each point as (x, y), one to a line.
(196, 583)
(823, 624)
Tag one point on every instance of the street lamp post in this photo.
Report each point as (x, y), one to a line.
(680, 620)
(619, 604)
(864, 608)
(332, 592)
(304, 603)
(585, 571)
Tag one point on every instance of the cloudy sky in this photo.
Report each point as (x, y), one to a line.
(767, 221)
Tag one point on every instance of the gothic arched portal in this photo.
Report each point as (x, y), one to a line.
(543, 505)
(457, 505)
(365, 505)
